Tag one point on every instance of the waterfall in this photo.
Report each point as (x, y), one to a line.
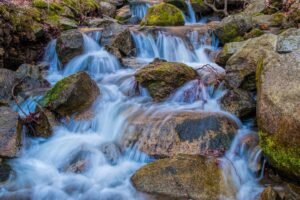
(190, 18)
(46, 168)
(139, 10)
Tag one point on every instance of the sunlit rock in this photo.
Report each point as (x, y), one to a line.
(182, 177)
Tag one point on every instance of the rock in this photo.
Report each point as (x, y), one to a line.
(165, 135)
(288, 41)
(256, 32)
(8, 79)
(124, 13)
(44, 122)
(117, 3)
(2, 57)
(111, 151)
(278, 108)
(162, 78)
(269, 194)
(124, 42)
(262, 20)
(239, 102)
(228, 50)
(114, 51)
(71, 95)
(232, 27)
(179, 4)
(182, 177)
(241, 67)
(10, 133)
(163, 14)
(108, 9)
(200, 7)
(5, 171)
(69, 44)
(255, 7)
(110, 28)
(33, 82)
(67, 23)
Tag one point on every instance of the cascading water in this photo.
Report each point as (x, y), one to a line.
(190, 18)
(139, 10)
(72, 165)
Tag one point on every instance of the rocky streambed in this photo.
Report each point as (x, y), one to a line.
(149, 100)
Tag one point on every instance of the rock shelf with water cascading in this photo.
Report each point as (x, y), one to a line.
(120, 110)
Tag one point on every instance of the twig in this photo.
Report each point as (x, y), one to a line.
(15, 98)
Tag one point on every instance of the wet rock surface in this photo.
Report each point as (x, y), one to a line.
(187, 133)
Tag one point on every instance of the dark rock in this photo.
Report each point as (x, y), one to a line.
(239, 102)
(5, 171)
(124, 42)
(69, 44)
(8, 80)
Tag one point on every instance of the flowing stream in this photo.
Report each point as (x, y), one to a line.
(46, 168)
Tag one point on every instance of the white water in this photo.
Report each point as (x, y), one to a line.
(139, 10)
(43, 171)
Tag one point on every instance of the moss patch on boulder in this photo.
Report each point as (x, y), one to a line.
(163, 14)
(71, 95)
(162, 78)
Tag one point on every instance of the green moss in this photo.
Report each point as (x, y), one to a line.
(230, 32)
(254, 33)
(237, 39)
(55, 92)
(285, 158)
(278, 19)
(40, 4)
(163, 14)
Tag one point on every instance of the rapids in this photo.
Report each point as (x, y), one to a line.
(43, 170)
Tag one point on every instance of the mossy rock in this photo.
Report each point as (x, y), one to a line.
(233, 28)
(278, 19)
(71, 95)
(162, 78)
(278, 109)
(183, 177)
(256, 32)
(163, 14)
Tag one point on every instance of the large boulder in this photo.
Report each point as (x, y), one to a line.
(233, 27)
(288, 41)
(241, 67)
(69, 44)
(124, 43)
(71, 95)
(182, 177)
(10, 133)
(165, 135)
(162, 78)
(8, 80)
(278, 111)
(163, 14)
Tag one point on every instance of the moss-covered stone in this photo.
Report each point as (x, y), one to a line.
(284, 158)
(278, 111)
(278, 19)
(162, 78)
(256, 32)
(232, 28)
(71, 95)
(163, 14)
